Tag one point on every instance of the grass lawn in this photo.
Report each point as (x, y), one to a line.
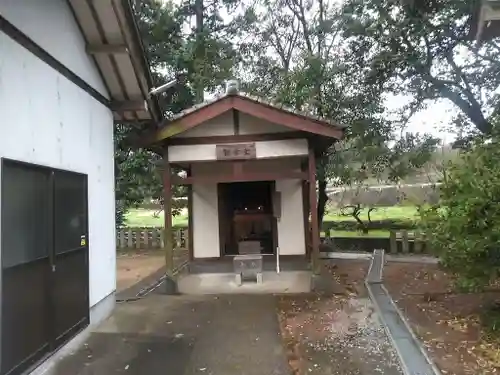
(382, 213)
(373, 233)
(146, 218)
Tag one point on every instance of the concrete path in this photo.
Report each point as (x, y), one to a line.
(185, 335)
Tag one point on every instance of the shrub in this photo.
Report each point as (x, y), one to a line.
(490, 319)
(464, 228)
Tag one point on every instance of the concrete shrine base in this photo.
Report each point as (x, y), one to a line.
(222, 283)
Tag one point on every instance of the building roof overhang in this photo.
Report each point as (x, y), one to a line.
(113, 39)
(485, 20)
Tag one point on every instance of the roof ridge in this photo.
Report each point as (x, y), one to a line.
(277, 105)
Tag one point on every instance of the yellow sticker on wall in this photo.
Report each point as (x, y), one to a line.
(83, 242)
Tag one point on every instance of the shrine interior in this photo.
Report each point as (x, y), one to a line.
(247, 224)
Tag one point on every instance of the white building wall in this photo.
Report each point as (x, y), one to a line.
(252, 125)
(263, 149)
(291, 236)
(50, 24)
(205, 220)
(224, 125)
(220, 125)
(48, 120)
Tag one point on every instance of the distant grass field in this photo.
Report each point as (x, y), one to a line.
(382, 213)
(145, 218)
(371, 234)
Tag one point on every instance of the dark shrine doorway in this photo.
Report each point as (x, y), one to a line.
(246, 221)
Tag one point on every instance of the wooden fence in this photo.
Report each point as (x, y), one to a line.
(398, 241)
(149, 238)
(407, 242)
(402, 241)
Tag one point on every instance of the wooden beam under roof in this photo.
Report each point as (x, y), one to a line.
(485, 22)
(238, 175)
(107, 49)
(128, 106)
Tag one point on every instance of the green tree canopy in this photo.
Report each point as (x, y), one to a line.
(424, 50)
(293, 52)
(173, 49)
(301, 59)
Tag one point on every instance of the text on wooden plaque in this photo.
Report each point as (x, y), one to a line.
(236, 151)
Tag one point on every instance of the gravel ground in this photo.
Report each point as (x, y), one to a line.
(131, 267)
(447, 322)
(336, 335)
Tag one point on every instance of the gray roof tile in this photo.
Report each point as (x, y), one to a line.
(257, 100)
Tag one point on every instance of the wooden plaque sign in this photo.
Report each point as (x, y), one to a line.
(236, 151)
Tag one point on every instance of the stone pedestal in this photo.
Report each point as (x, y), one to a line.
(248, 267)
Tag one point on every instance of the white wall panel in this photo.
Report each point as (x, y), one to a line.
(291, 234)
(205, 221)
(218, 126)
(48, 120)
(253, 125)
(264, 149)
(51, 24)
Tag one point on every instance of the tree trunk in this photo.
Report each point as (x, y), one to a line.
(322, 200)
(362, 225)
(370, 213)
(322, 183)
(200, 52)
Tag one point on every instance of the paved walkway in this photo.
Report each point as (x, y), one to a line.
(185, 335)
(240, 335)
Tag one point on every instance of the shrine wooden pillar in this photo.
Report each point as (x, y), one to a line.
(304, 167)
(313, 206)
(190, 217)
(170, 282)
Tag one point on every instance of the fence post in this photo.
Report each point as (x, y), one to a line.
(183, 238)
(147, 233)
(130, 240)
(393, 242)
(162, 238)
(121, 238)
(177, 239)
(138, 234)
(154, 238)
(405, 243)
(417, 242)
(159, 238)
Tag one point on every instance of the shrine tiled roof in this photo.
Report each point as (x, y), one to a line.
(255, 99)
